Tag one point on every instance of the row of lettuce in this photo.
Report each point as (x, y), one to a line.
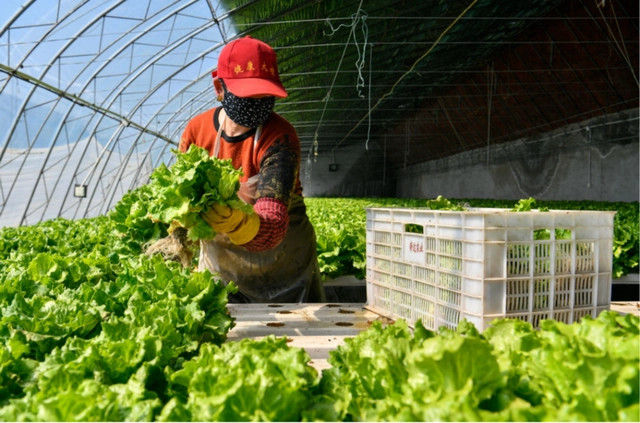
(340, 226)
(92, 329)
(340, 223)
(178, 195)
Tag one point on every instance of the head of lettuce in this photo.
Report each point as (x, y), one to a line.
(188, 196)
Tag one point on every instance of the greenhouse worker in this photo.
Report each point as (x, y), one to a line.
(269, 255)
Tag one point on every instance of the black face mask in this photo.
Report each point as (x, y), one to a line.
(249, 112)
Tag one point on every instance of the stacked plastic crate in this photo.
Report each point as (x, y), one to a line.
(482, 264)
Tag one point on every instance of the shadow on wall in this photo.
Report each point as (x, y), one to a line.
(597, 159)
(535, 172)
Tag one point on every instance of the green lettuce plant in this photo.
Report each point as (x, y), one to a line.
(245, 380)
(180, 193)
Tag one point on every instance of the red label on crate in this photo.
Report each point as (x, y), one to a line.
(416, 247)
(413, 249)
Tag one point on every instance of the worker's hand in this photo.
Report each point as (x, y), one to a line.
(223, 218)
(239, 226)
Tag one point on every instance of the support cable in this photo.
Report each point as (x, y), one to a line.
(254, 25)
(623, 50)
(453, 126)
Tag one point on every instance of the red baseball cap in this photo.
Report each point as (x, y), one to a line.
(249, 67)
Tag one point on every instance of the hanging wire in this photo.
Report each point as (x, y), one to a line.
(359, 17)
(491, 83)
(355, 18)
(464, 12)
(366, 145)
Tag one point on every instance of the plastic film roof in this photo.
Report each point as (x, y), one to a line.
(97, 92)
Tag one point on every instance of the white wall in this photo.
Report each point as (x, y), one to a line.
(360, 173)
(594, 160)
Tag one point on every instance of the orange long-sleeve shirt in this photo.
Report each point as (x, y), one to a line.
(275, 158)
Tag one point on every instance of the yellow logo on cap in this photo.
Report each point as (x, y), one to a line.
(264, 67)
(238, 69)
(250, 66)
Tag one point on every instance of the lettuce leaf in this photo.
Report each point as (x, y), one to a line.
(586, 371)
(196, 181)
(244, 380)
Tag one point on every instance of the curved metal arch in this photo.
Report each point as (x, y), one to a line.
(45, 70)
(22, 108)
(28, 97)
(118, 177)
(57, 56)
(195, 112)
(24, 7)
(178, 94)
(169, 121)
(142, 101)
(48, 32)
(157, 87)
(128, 44)
(23, 163)
(70, 108)
(16, 16)
(43, 38)
(175, 44)
(114, 136)
(107, 61)
(148, 64)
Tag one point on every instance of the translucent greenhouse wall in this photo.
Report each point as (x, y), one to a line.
(33, 202)
(97, 93)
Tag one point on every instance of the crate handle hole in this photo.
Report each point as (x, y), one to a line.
(413, 228)
(545, 234)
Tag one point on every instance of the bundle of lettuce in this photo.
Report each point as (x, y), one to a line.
(179, 194)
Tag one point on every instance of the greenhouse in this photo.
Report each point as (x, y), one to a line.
(319, 210)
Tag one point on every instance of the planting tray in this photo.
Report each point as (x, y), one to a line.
(482, 264)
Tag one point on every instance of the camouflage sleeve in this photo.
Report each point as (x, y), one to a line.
(278, 171)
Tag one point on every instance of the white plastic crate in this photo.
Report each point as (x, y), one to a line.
(483, 264)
